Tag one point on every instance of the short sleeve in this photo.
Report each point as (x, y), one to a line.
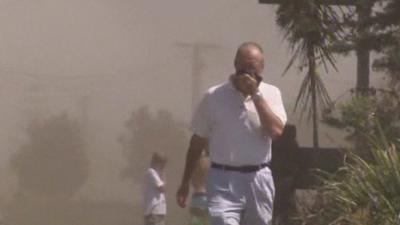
(277, 106)
(201, 124)
(155, 178)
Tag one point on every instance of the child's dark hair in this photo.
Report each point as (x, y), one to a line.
(158, 158)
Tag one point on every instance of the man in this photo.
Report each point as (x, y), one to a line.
(238, 120)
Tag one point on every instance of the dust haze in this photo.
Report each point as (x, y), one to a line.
(90, 88)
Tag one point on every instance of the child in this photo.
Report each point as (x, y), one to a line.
(198, 205)
(154, 196)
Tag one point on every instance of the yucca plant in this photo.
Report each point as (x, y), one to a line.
(310, 26)
(365, 193)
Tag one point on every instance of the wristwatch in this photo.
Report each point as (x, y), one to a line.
(256, 96)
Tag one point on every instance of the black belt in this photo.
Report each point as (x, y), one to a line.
(242, 169)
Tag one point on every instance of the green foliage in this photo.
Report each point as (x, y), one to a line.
(389, 62)
(377, 29)
(387, 17)
(366, 116)
(387, 28)
(369, 193)
(367, 190)
(358, 113)
(358, 22)
(362, 192)
(308, 24)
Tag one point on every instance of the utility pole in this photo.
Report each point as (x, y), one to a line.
(198, 65)
(83, 105)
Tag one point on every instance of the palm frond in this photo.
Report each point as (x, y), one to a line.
(304, 95)
(310, 24)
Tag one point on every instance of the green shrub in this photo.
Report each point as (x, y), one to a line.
(364, 192)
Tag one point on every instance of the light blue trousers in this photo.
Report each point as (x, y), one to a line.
(236, 198)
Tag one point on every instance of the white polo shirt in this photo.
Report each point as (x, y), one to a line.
(231, 123)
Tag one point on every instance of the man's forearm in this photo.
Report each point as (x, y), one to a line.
(271, 124)
(196, 146)
(269, 121)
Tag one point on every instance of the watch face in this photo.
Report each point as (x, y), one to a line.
(257, 95)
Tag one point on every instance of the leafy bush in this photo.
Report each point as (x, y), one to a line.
(368, 116)
(363, 192)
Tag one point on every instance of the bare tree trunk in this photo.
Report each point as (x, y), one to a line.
(363, 50)
(363, 63)
(312, 74)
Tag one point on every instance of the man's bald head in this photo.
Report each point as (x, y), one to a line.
(249, 58)
(250, 45)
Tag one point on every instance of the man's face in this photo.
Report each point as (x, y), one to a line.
(250, 61)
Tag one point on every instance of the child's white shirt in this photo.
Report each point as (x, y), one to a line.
(154, 199)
